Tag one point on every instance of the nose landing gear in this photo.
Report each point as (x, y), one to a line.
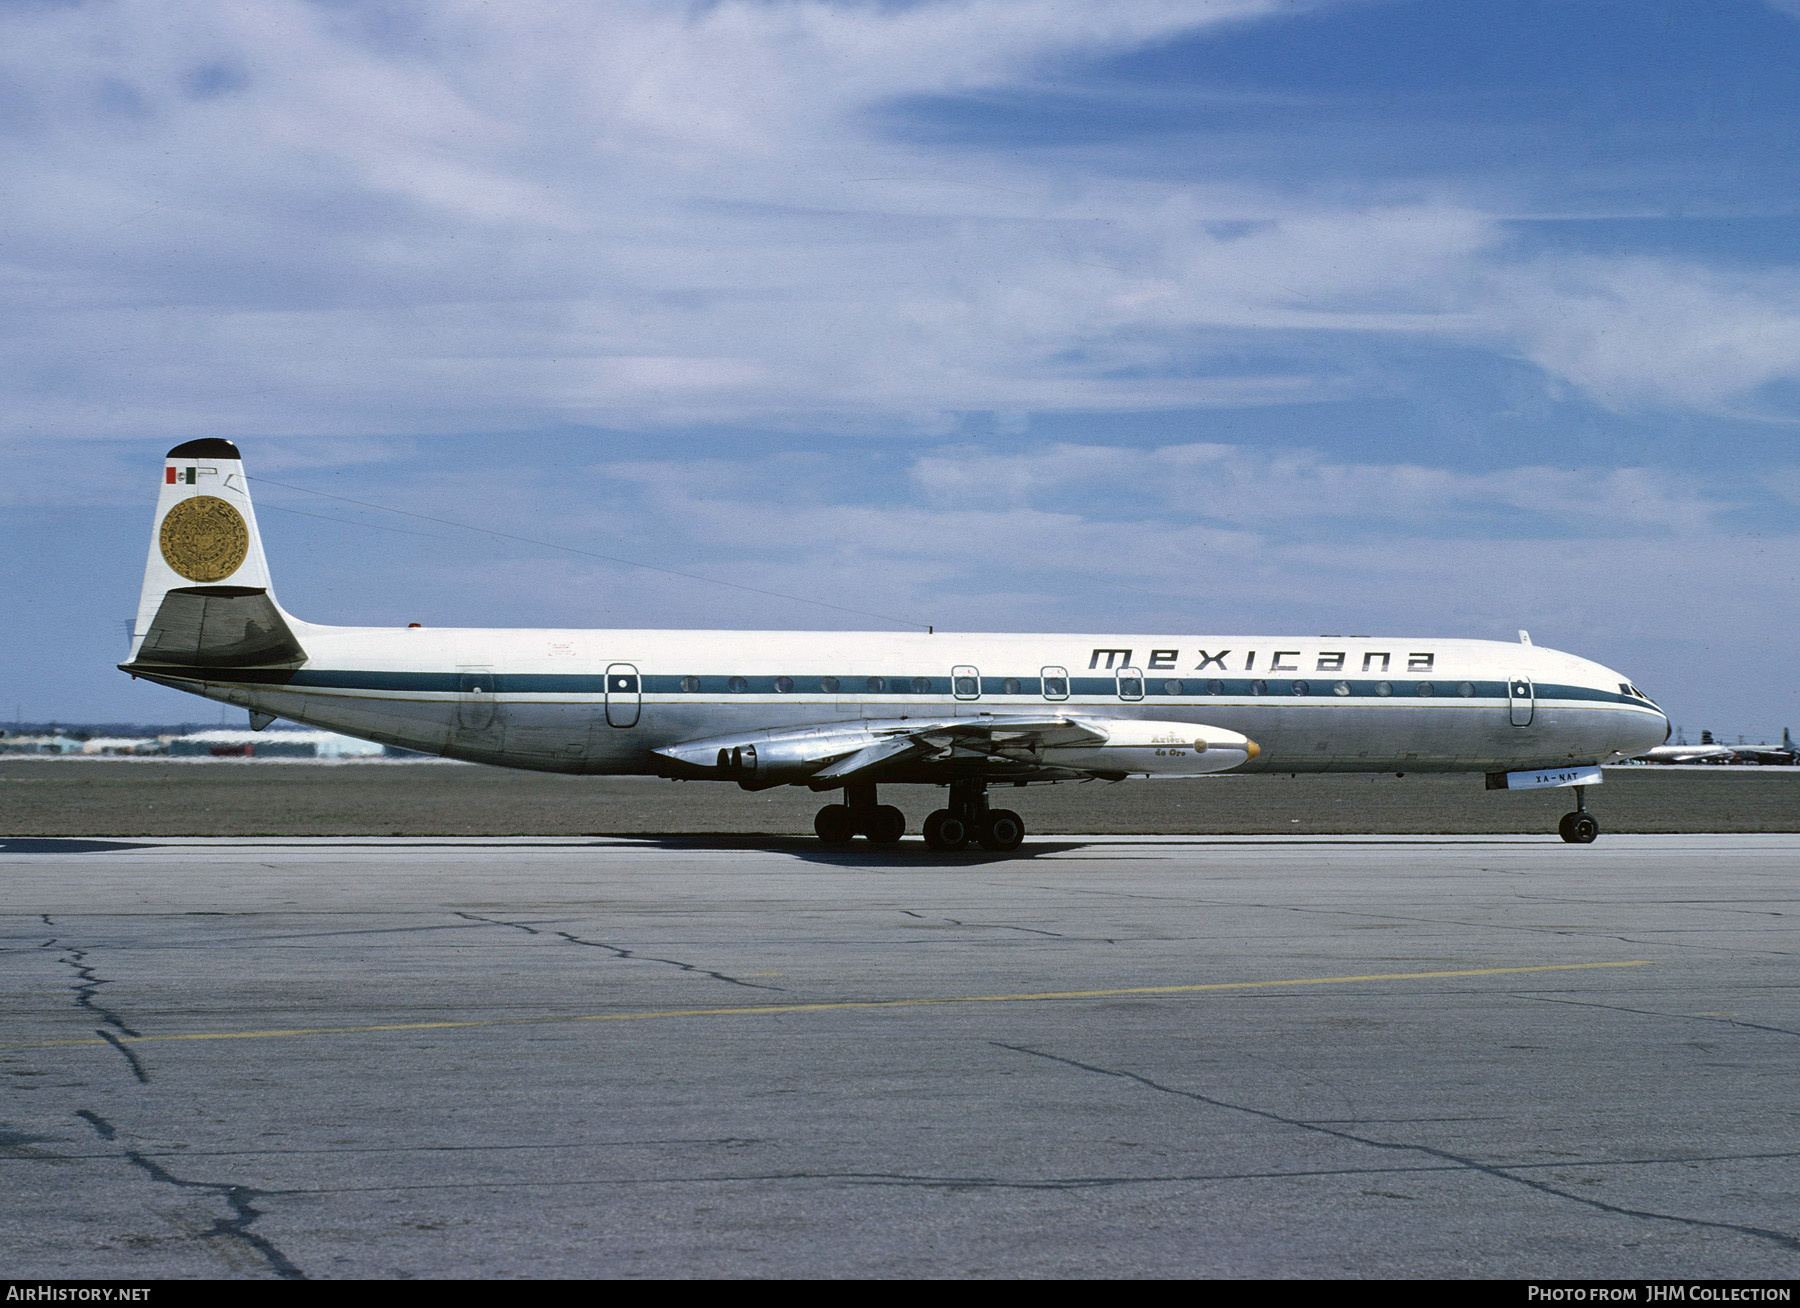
(1579, 827)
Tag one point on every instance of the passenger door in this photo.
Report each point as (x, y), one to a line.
(624, 695)
(474, 698)
(1521, 700)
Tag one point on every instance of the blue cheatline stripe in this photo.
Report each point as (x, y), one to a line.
(1197, 689)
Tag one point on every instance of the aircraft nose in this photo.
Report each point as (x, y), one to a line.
(1645, 732)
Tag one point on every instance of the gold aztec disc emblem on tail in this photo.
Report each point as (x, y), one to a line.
(204, 539)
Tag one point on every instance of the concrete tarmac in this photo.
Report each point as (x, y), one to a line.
(1114, 1056)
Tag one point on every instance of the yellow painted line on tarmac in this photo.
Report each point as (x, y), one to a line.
(836, 1006)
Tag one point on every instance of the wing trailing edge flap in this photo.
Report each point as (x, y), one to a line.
(1016, 739)
(864, 760)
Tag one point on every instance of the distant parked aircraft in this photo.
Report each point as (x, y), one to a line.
(1707, 751)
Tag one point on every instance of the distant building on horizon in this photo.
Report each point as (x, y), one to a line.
(219, 743)
(230, 743)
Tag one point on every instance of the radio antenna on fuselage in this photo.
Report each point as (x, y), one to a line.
(591, 554)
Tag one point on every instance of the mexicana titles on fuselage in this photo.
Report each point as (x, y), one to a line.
(851, 710)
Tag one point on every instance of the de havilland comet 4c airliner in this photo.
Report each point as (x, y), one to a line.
(848, 711)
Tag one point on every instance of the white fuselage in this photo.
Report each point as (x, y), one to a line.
(599, 701)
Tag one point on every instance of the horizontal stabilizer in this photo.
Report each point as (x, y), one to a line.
(219, 627)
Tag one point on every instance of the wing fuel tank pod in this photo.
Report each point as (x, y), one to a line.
(1170, 749)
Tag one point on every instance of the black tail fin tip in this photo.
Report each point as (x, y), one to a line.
(207, 447)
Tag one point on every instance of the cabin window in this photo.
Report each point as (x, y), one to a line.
(1056, 683)
(1466, 690)
(921, 685)
(1131, 683)
(1426, 688)
(737, 685)
(1384, 688)
(784, 684)
(875, 685)
(1171, 687)
(1259, 688)
(690, 684)
(1301, 688)
(1340, 688)
(829, 685)
(1011, 686)
(1215, 688)
(967, 687)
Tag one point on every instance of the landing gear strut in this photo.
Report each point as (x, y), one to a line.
(1579, 827)
(839, 824)
(970, 818)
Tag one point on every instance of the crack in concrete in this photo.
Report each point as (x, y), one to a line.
(131, 1059)
(86, 988)
(622, 953)
(1498, 1172)
(928, 1181)
(241, 1199)
(729, 1142)
(1528, 928)
(1005, 926)
(89, 986)
(105, 1129)
(560, 1146)
(1651, 1012)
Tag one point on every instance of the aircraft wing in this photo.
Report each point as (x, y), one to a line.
(828, 755)
(1013, 739)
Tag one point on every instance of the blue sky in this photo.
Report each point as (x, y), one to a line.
(1244, 315)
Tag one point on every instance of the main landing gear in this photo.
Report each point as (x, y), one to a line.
(859, 815)
(1579, 827)
(967, 819)
(970, 818)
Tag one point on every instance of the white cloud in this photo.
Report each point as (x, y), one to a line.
(1275, 492)
(1639, 333)
(286, 217)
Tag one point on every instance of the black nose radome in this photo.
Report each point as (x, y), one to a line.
(209, 447)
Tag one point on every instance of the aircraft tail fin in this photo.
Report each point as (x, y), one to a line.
(206, 600)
